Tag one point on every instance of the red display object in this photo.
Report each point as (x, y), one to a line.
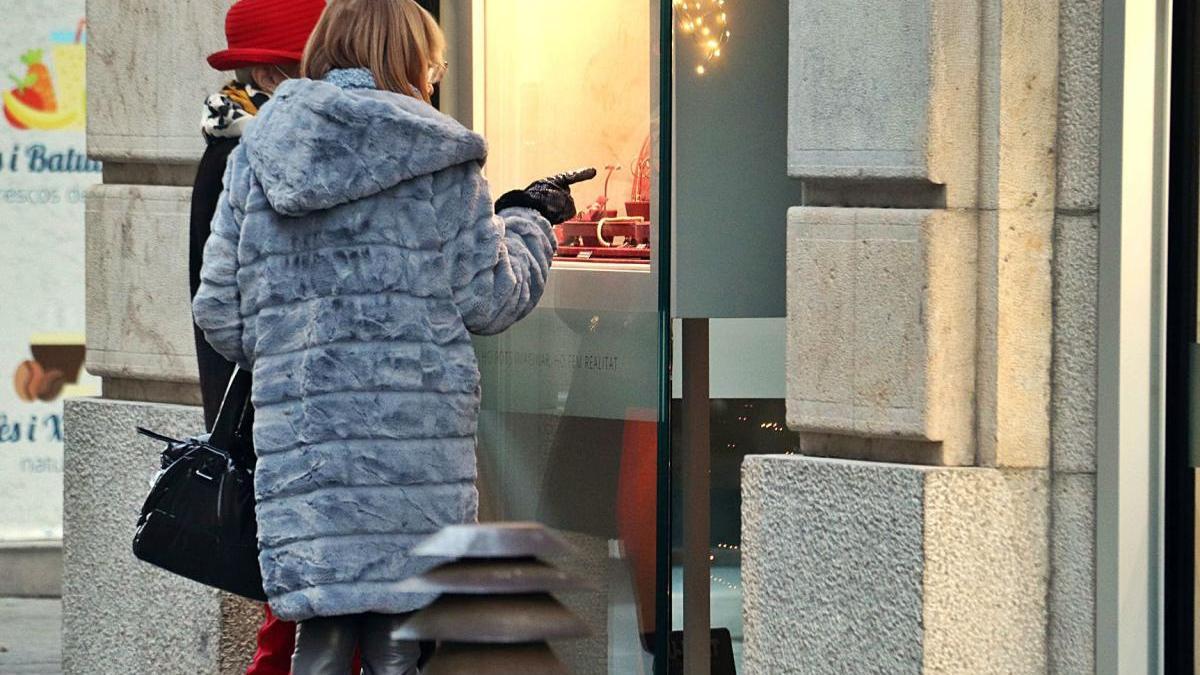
(605, 240)
(614, 255)
(607, 232)
(638, 209)
(598, 235)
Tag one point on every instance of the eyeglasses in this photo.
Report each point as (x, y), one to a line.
(437, 71)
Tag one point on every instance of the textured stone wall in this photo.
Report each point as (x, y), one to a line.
(139, 325)
(1017, 196)
(989, 95)
(147, 80)
(147, 77)
(881, 341)
(881, 314)
(883, 89)
(825, 545)
(973, 85)
(121, 615)
(1073, 406)
(859, 567)
(933, 346)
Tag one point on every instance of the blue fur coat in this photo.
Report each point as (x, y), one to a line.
(354, 250)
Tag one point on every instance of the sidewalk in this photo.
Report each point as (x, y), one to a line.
(30, 636)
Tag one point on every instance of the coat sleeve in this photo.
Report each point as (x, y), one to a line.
(498, 263)
(217, 305)
(206, 190)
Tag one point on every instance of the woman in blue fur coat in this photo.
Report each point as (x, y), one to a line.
(354, 250)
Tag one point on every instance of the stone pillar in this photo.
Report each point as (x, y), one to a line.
(860, 567)
(911, 533)
(147, 80)
(121, 615)
(1072, 600)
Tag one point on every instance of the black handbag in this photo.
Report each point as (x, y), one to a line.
(198, 521)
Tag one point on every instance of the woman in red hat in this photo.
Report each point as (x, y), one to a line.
(266, 40)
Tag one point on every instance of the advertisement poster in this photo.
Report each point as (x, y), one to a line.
(44, 175)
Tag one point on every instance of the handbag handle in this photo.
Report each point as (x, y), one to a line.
(233, 418)
(157, 436)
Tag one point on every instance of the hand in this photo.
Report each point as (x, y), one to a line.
(550, 196)
(565, 180)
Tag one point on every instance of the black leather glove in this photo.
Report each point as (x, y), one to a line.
(550, 197)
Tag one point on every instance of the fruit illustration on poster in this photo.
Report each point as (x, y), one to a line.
(45, 100)
(38, 77)
(25, 94)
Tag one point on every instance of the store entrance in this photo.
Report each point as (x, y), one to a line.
(1183, 352)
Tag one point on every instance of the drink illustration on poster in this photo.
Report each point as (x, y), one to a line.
(35, 102)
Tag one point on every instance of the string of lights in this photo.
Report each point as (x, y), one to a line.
(708, 25)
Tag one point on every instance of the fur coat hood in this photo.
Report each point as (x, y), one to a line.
(298, 145)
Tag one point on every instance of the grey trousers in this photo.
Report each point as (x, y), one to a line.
(325, 646)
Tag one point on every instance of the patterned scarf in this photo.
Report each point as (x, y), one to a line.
(227, 111)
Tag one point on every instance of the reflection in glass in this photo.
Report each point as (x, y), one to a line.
(739, 427)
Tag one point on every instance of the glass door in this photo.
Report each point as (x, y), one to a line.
(571, 416)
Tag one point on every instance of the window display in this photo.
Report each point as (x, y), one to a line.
(569, 424)
(599, 234)
(579, 94)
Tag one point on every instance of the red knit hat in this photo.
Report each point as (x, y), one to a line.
(265, 32)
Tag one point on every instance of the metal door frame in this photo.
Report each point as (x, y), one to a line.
(1134, 115)
(1179, 514)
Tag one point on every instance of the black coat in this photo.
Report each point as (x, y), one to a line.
(215, 371)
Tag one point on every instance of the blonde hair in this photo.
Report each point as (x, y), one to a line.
(397, 40)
